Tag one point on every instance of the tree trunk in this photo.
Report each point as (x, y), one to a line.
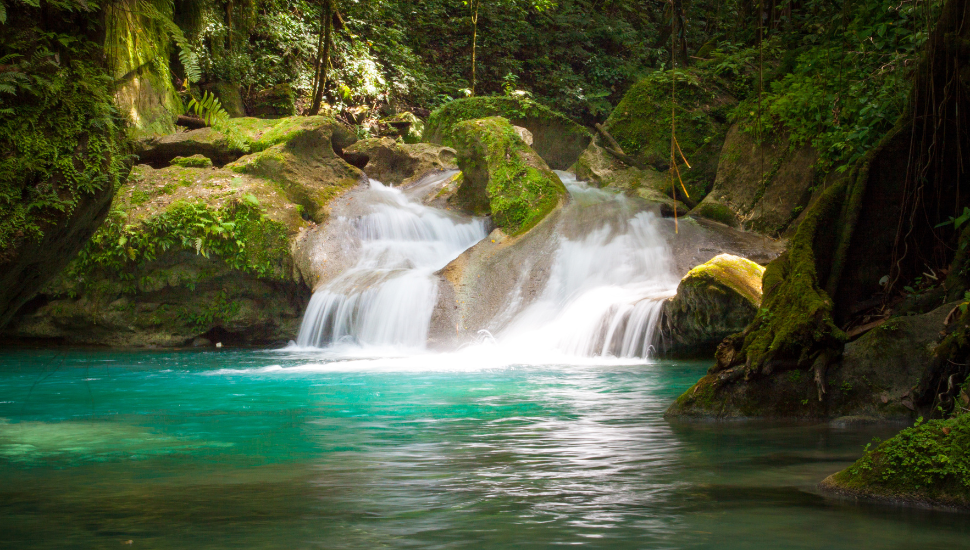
(475, 3)
(323, 55)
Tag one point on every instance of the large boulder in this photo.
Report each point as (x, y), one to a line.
(197, 254)
(713, 301)
(238, 136)
(761, 187)
(874, 379)
(557, 139)
(503, 176)
(394, 163)
(641, 125)
(277, 101)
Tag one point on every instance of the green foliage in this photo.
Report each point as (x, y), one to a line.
(928, 460)
(209, 109)
(848, 81)
(239, 234)
(60, 136)
(516, 110)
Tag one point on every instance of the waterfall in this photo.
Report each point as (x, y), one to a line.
(610, 273)
(610, 276)
(387, 297)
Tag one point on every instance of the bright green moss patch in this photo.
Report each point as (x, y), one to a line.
(717, 212)
(739, 274)
(503, 176)
(195, 161)
(928, 462)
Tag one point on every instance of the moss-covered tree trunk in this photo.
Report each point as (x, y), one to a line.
(873, 232)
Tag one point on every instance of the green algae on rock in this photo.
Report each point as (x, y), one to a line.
(926, 465)
(195, 161)
(503, 176)
(557, 139)
(713, 301)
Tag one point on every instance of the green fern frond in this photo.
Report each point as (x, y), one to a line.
(209, 109)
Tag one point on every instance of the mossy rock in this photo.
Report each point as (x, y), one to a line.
(767, 185)
(557, 139)
(278, 101)
(195, 161)
(415, 127)
(394, 163)
(641, 124)
(874, 379)
(239, 136)
(925, 465)
(715, 211)
(713, 301)
(229, 96)
(503, 176)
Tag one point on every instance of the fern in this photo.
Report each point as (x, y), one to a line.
(209, 109)
(188, 57)
(3, 13)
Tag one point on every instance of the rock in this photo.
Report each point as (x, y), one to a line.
(198, 252)
(740, 199)
(236, 137)
(641, 124)
(714, 300)
(278, 101)
(873, 379)
(404, 125)
(306, 167)
(395, 163)
(229, 96)
(195, 161)
(923, 466)
(524, 134)
(557, 139)
(503, 176)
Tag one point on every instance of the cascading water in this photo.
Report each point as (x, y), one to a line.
(387, 298)
(611, 271)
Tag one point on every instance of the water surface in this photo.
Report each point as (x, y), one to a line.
(283, 449)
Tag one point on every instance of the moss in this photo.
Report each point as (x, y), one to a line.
(739, 274)
(928, 462)
(278, 101)
(641, 122)
(195, 161)
(717, 212)
(442, 120)
(519, 189)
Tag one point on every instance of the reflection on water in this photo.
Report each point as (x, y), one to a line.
(244, 449)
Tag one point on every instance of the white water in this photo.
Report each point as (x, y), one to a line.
(387, 298)
(611, 272)
(607, 284)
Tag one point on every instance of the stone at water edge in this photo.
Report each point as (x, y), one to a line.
(503, 176)
(714, 300)
(394, 163)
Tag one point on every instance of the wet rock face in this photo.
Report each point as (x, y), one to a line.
(738, 197)
(713, 301)
(503, 176)
(394, 163)
(196, 251)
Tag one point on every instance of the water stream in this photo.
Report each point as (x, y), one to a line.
(612, 269)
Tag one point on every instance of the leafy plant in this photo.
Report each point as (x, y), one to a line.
(209, 109)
